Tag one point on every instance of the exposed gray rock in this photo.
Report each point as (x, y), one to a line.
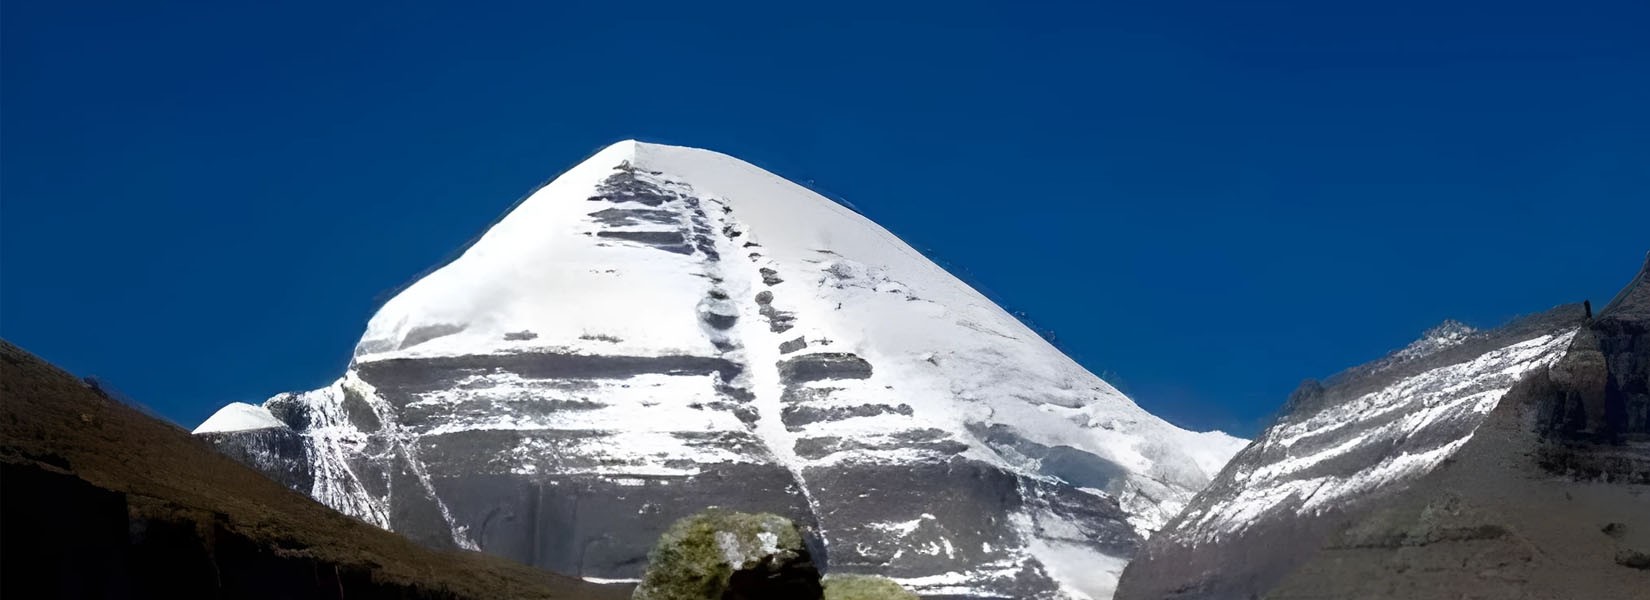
(657, 238)
(420, 335)
(796, 417)
(621, 217)
(823, 365)
(778, 321)
(794, 345)
(290, 410)
(359, 412)
(278, 452)
(626, 187)
(934, 440)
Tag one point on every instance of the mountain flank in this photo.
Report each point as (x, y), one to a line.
(103, 501)
(1507, 464)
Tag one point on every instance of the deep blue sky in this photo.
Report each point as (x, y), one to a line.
(1206, 201)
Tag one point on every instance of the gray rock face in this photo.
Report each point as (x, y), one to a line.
(280, 453)
(1530, 497)
(664, 330)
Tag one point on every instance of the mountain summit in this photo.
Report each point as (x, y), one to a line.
(663, 329)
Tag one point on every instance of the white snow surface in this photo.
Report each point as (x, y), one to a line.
(239, 416)
(946, 349)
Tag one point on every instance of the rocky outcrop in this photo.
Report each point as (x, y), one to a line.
(279, 452)
(721, 554)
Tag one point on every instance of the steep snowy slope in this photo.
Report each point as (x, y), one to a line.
(1384, 483)
(662, 329)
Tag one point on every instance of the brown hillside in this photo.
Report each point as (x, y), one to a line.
(103, 501)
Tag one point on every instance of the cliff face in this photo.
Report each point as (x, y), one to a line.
(1541, 491)
(277, 452)
(101, 501)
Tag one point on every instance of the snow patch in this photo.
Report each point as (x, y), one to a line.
(239, 416)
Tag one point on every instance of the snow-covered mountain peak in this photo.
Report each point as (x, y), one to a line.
(535, 279)
(560, 271)
(662, 329)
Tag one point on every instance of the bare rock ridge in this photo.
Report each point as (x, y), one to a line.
(665, 329)
(102, 501)
(1512, 463)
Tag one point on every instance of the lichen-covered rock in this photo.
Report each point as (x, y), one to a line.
(864, 587)
(725, 555)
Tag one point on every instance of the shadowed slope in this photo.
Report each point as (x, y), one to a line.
(101, 500)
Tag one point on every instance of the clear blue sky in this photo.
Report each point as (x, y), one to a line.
(1206, 201)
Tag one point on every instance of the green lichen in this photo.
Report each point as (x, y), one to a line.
(864, 587)
(697, 556)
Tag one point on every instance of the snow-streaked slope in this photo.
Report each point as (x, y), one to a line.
(538, 271)
(238, 416)
(663, 318)
(1341, 449)
(1416, 423)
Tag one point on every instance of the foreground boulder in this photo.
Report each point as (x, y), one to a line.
(725, 555)
(865, 587)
